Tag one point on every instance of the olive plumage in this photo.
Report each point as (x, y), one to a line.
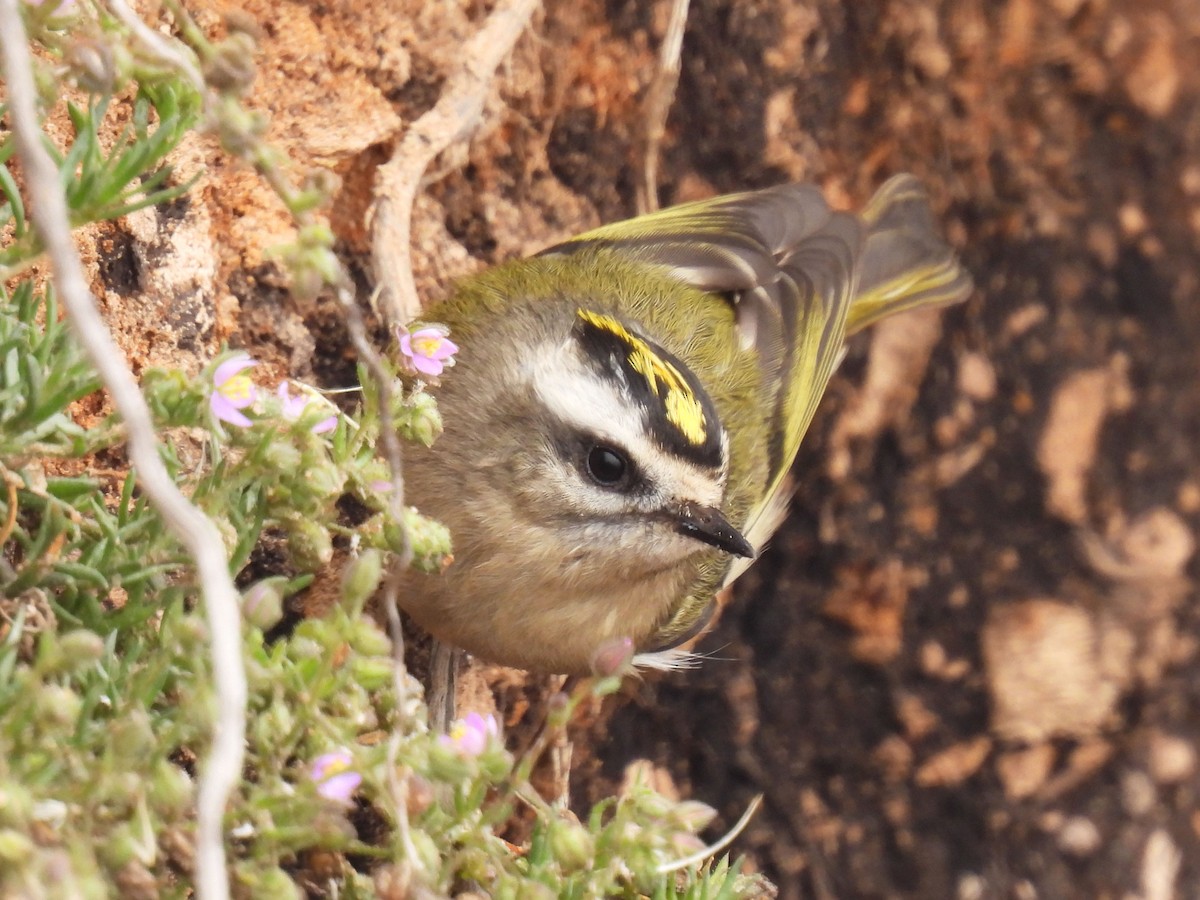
(627, 405)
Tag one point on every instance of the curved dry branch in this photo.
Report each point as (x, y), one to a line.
(657, 107)
(223, 767)
(455, 116)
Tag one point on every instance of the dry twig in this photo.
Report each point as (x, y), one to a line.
(454, 117)
(713, 849)
(198, 534)
(659, 97)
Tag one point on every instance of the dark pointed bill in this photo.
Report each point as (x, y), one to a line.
(708, 524)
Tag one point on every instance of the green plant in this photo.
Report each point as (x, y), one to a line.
(106, 698)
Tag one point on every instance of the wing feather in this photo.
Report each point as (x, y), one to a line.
(801, 279)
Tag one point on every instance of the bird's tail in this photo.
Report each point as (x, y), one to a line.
(905, 263)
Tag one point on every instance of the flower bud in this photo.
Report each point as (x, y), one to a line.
(81, 648)
(684, 844)
(262, 603)
(306, 282)
(692, 815)
(445, 765)
(171, 789)
(301, 647)
(430, 541)
(651, 803)
(376, 478)
(367, 638)
(323, 478)
(360, 581)
(310, 544)
(420, 420)
(273, 725)
(58, 704)
(283, 456)
(474, 864)
(571, 844)
(613, 658)
(230, 67)
(119, 847)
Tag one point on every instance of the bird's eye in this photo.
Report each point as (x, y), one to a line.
(606, 465)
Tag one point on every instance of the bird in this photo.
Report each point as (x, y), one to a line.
(626, 407)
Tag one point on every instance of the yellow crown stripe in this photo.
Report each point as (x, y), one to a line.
(682, 407)
(686, 414)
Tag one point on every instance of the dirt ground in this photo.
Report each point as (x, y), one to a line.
(968, 666)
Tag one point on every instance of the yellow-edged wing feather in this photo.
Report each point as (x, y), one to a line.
(802, 278)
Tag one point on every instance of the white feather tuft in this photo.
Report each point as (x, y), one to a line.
(673, 660)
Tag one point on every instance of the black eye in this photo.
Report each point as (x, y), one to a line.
(606, 465)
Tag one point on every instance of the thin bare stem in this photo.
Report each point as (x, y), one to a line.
(445, 663)
(393, 453)
(455, 116)
(223, 767)
(659, 97)
(713, 849)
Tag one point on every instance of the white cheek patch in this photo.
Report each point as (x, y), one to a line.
(571, 392)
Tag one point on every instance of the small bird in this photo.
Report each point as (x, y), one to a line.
(626, 407)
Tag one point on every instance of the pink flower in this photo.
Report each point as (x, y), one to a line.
(335, 779)
(427, 351)
(233, 391)
(469, 737)
(294, 405)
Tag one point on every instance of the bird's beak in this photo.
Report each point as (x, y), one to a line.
(708, 524)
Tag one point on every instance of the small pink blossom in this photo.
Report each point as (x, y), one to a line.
(294, 405)
(469, 737)
(427, 351)
(335, 779)
(233, 390)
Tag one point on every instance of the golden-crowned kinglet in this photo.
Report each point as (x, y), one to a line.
(626, 406)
